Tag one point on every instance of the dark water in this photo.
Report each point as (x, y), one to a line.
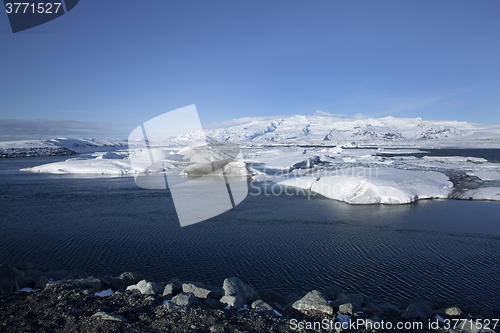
(441, 249)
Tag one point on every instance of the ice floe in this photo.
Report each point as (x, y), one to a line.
(383, 185)
(485, 193)
(85, 166)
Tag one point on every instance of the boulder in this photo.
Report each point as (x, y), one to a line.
(372, 308)
(237, 293)
(217, 292)
(197, 289)
(388, 308)
(348, 304)
(356, 300)
(42, 282)
(234, 301)
(333, 292)
(124, 280)
(7, 278)
(25, 283)
(452, 311)
(172, 307)
(28, 278)
(146, 287)
(421, 310)
(19, 273)
(180, 302)
(314, 300)
(346, 308)
(173, 287)
(260, 305)
(234, 286)
(184, 299)
(341, 299)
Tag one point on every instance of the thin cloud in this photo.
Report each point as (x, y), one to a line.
(410, 103)
(327, 114)
(236, 122)
(22, 129)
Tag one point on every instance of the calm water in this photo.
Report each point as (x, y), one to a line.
(442, 249)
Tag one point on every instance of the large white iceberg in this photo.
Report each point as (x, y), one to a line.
(377, 185)
(98, 166)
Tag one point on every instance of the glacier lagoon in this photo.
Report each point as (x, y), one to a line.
(439, 249)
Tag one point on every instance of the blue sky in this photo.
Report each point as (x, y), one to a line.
(126, 62)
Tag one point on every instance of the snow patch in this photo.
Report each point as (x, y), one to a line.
(105, 293)
(28, 290)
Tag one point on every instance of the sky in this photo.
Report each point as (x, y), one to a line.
(105, 67)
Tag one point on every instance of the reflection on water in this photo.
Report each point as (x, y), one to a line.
(438, 249)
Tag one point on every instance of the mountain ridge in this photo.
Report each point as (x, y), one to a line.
(318, 129)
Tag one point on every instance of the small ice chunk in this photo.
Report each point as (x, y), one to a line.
(441, 319)
(277, 313)
(104, 293)
(28, 290)
(342, 318)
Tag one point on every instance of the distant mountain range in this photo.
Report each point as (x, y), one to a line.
(329, 130)
(319, 129)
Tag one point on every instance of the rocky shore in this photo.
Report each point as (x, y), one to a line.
(42, 299)
(35, 152)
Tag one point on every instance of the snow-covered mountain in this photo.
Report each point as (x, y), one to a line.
(58, 147)
(319, 129)
(328, 129)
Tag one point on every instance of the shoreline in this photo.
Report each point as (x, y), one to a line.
(130, 303)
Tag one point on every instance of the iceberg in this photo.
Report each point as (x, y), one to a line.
(485, 193)
(383, 186)
(97, 166)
